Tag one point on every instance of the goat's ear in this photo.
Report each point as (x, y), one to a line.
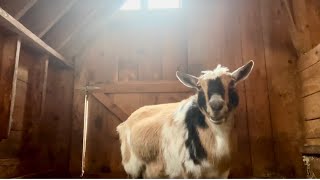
(187, 80)
(243, 72)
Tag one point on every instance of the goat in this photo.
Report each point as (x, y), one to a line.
(187, 139)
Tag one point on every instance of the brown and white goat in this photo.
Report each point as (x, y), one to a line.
(187, 139)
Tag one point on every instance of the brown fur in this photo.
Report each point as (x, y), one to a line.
(207, 138)
(146, 124)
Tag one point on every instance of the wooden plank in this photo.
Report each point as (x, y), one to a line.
(142, 87)
(11, 147)
(311, 106)
(25, 9)
(76, 29)
(312, 142)
(57, 18)
(8, 80)
(44, 13)
(313, 21)
(55, 127)
(108, 103)
(300, 34)
(9, 167)
(310, 79)
(19, 109)
(28, 38)
(311, 150)
(312, 128)
(283, 96)
(309, 58)
(37, 69)
(256, 92)
(17, 8)
(71, 21)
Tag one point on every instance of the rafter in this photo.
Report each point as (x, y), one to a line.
(43, 14)
(76, 29)
(28, 38)
(23, 11)
(57, 18)
(80, 39)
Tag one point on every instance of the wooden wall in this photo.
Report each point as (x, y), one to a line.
(151, 46)
(309, 76)
(40, 131)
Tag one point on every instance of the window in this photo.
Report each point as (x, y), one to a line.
(150, 4)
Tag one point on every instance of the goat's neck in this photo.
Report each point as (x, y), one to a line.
(222, 130)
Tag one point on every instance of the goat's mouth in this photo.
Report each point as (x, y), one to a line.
(217, 119)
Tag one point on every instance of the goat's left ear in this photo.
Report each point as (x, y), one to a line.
(243, 72)
(187, 80)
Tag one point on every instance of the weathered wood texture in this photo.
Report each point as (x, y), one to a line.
(195, 38)
(40, 135)
(308, 73)
(268, 121)
(8, 80)
(28, 38)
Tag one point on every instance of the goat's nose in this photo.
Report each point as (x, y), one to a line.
(216, 105)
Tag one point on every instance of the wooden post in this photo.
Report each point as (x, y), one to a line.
(8, 80)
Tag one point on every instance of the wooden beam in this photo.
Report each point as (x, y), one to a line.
(44, 77)
(28, 38)
(309, 58)
(57, 18)
(8, 80)
(311, 150)
(82, 39)
(70, 21)
(140, 87)
(25, 9)
(109, 104)
(17, 8)
(76, 29)
(45, 14)
(297, 25)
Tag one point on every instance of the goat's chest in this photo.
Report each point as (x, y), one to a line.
(218, 160)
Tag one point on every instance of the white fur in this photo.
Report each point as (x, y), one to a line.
(178, 163)
(218, 71)
(133, 166)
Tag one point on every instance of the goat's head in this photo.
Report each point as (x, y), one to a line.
(216, 90)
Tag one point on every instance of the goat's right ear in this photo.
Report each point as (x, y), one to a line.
(187, 80)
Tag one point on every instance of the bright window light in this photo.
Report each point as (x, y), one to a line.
(163, 4)
(131, 5)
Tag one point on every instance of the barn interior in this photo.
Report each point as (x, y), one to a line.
(72, 70)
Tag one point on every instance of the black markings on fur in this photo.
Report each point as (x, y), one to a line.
(202, 100)
(233, 97)
(194, 119)
(215, 86)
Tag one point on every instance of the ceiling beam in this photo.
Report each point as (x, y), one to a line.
(17, 8)
(78, 40)
(25, 9)
(44, 13)
(28, 38)
(77, 29)
(70, 21)
(64, 10)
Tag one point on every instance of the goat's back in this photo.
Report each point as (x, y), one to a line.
(140, 135)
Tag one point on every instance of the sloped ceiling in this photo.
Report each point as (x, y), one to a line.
(65, 25)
